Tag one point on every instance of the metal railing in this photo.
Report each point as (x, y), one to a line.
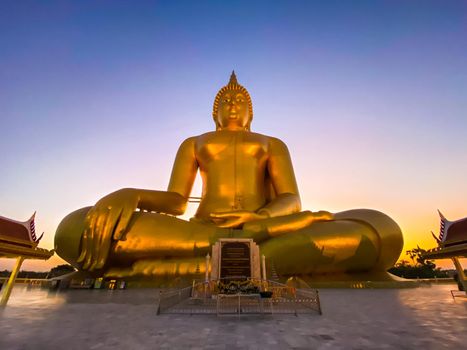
(170, 298)
(259, 297)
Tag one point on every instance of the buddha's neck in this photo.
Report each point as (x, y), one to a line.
(233, 129)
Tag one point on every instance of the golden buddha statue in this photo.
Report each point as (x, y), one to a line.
(249, 191)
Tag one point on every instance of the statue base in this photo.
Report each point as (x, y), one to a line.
(356, 280)
(379, 280)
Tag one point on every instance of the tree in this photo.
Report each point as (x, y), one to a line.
(420, 267)
(60, 270)
(416, 254)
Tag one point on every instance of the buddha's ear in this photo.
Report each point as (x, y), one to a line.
(248, 125)
(218, 127)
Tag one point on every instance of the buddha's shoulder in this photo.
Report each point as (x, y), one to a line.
(271, 141)
(214, 137)
(206, 135)
(252, 136)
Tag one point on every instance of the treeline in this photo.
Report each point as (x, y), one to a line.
(54, 272)
(419, 267)
(406, 270)
(25, 274)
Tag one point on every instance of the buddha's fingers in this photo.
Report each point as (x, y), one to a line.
(231, 223)
(87, 237)
(84, 245)
(224, 215)
(125, 217)
(89, 241)
(323, 215)
(98, 238)
(234, 218)
(218, 215)
(106, 238)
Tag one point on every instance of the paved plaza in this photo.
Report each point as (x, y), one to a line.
(420, 318)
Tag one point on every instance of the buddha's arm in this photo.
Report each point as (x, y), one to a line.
(110, 216)
(174, 200)
(280, 169)
(166, 202)
(184, 169)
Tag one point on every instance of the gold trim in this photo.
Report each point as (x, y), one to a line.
(17, 240)
(13, 251)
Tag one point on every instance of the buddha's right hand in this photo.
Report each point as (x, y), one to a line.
(279, 225)
(106, 220)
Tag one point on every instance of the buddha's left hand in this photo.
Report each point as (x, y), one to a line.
(236, 218)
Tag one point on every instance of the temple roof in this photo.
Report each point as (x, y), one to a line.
(19, 230)
(452, 232)
(452, 239)
(18, 238)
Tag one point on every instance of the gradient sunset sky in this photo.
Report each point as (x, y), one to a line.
(370, 97)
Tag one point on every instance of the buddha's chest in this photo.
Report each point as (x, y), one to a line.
(231, 148)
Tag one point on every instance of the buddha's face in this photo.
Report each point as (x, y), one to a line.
(233, 112)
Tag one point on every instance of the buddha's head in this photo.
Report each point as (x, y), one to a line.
(233, 109)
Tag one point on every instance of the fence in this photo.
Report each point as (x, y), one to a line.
(247, 296)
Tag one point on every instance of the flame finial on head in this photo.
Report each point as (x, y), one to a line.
(233, 79)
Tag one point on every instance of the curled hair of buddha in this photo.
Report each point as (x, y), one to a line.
(233, 85)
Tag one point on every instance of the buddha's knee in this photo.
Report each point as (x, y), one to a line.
(389, 234)
(68, 236)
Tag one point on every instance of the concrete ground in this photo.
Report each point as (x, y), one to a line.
(420, 318)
